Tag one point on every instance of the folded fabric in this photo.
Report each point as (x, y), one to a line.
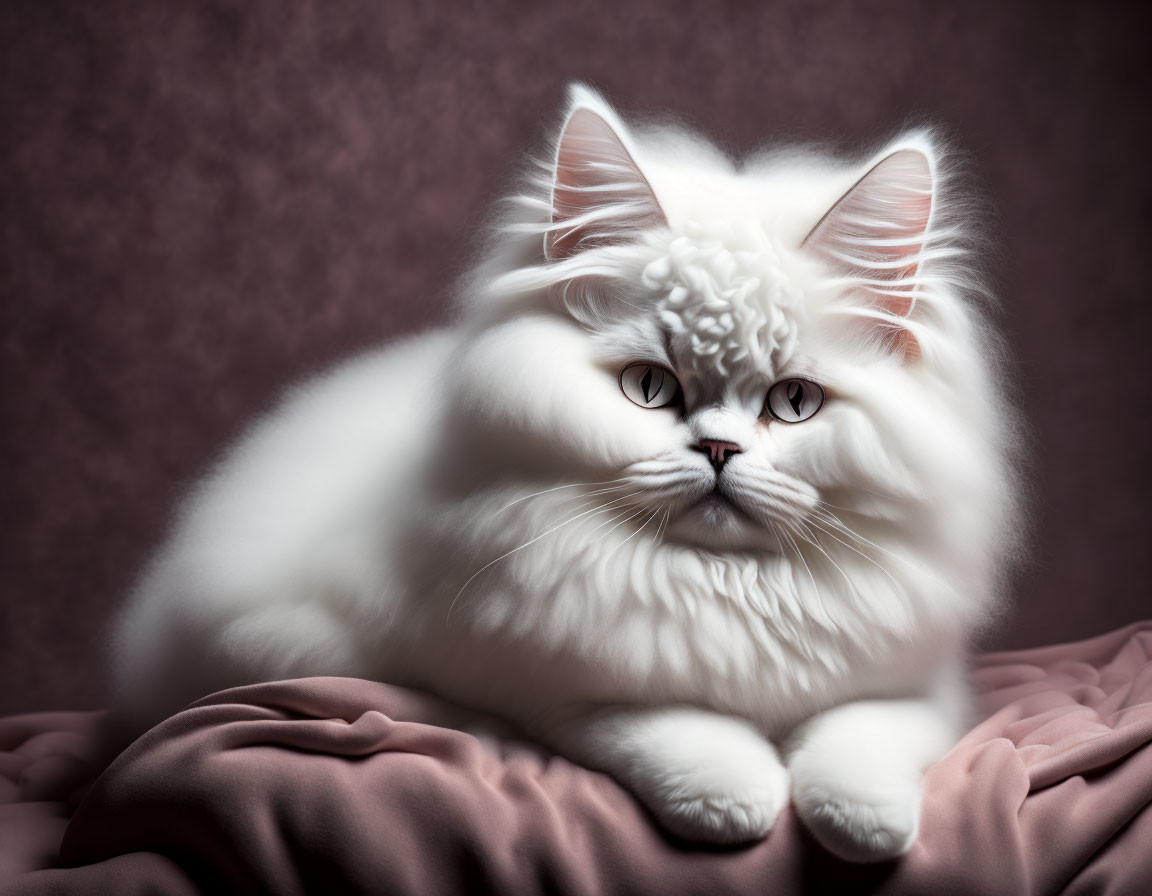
(331, 785)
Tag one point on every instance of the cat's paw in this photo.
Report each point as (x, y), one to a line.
(719, 800)
(869, 819)
(706, 777)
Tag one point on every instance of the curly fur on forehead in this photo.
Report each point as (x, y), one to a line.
(725, 297)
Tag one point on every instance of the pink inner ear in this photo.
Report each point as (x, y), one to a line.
(876, 231)
(599, 193)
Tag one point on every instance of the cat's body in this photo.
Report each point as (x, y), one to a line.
(662, 592)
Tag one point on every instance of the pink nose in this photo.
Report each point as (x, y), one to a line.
(718, 452)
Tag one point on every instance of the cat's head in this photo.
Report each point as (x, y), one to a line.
(755, 357)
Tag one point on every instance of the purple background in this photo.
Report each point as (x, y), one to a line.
(201, 204)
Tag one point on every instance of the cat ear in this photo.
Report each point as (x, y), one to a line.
(875, 236)
(599, 193)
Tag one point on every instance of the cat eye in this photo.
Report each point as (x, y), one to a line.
(792, 401)
(648, 385)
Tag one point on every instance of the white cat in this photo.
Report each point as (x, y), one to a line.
(707, 487)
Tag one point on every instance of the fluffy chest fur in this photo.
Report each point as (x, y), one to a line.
(603, 611)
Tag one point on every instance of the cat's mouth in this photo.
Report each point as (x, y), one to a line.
(743, 508)
(717, 503)
(717, 522)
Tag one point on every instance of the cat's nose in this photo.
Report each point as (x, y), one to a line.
(718, 451)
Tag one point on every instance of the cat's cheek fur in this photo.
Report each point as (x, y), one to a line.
(533, 396)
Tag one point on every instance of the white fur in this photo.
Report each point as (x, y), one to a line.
(481, 511)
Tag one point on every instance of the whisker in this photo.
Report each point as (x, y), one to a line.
(670, 484)
(882, 495)
(610, 519)
(816, 544)
(602, 491)
(838, 507)
(663, 527)
(815, 588)
(598, 509)
(663, 514)
(633, 535)
(778, 489)
(619, 524)
(815, 522)
(847, 530)
(558, 488)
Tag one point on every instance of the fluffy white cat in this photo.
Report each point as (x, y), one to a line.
(707, 487)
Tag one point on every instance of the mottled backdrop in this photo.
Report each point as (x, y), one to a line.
(204, 201)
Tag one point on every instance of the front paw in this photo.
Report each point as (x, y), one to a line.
(718, 801)
(866, 819)
(707, 777)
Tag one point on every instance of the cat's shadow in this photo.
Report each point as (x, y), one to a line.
(822, 872)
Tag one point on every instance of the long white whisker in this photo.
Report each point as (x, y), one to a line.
(587, 495)
(663, 526)
(603, 523)
(815, 521)
(815, 588)
(780, 490)
(882, 495)
(812, 541)
(611, 488)
(597, 509)
(643, 526)
(844, 529)
(619, 524)
(586, 503)
(838, 507)
(800, 556)
(847, 530)
(558, 488)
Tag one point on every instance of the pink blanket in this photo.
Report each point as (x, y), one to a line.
(332, 785)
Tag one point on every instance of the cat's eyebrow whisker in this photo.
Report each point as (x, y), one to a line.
(597, 509)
